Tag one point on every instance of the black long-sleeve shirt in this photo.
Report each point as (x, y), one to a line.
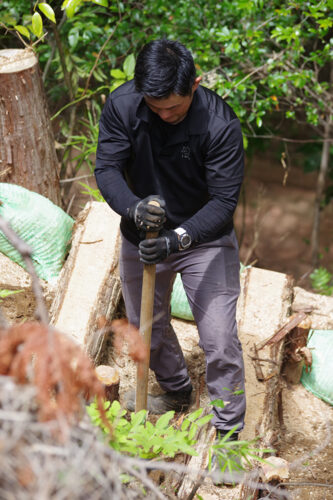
(196, 165)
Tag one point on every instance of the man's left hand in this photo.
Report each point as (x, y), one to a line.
(154, 250)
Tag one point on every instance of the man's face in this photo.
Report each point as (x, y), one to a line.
(174, 108)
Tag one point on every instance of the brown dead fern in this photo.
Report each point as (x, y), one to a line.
(62, 373)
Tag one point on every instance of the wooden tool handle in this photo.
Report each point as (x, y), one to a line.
(146, 323)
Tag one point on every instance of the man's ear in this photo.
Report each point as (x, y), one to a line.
(196, 83)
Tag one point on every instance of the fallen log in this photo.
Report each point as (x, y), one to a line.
(89, 285)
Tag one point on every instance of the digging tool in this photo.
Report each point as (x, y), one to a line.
(146, 323)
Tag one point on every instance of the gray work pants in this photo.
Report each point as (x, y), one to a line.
(210, 275)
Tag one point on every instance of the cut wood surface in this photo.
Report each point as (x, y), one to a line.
(27, 151)
(263, 308)
(109, 377)
(89, 285)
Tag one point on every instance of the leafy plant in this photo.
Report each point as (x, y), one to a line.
(139, 437)
(322, 281)
(85, 143)
(94, 193)
(233, 455)
(122, 76)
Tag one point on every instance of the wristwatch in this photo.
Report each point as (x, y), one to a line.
(184, 239)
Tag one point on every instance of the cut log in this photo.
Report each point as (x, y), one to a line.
(27, 151)
(89, 285)
(263, 308)
(110, 380)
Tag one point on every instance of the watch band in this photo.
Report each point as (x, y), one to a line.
(180, 231)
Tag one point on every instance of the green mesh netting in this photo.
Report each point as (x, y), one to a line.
(319, 380)
(180, 308)
(40, 223)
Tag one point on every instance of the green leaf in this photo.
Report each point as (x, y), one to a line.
(7, 293)
(37, 24)
(125, 478)
(218, 403)
(139, 417)
(23, 30)
(238, 393)
(102, 3)
(117, 73)
(116, 84)
(47, 11)
(195, 414)
(185, 425)
(164, 420)
(193, 431)
(129, 65)
(70, 7)
(204, 420)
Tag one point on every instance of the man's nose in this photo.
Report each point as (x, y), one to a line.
(164, 114)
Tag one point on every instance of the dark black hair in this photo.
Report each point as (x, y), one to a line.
(164, 67)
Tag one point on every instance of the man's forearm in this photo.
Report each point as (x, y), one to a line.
(208, 223)
(114, 188)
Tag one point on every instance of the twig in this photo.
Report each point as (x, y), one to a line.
(27, 46)
(286, 139)
(73, 179)
(98, 57)
(305, 484)
(75, 101)
(255, 70)
(265, 360)
(70, 203)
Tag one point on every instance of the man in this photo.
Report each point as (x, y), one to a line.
(164, 137)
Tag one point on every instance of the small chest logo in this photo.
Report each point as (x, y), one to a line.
(185, 151)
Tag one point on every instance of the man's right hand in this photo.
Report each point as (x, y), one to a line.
(148, 217)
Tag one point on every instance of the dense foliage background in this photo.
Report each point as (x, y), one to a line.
(271, 60)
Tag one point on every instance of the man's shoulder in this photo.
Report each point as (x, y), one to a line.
(125, 97)
(216, 106)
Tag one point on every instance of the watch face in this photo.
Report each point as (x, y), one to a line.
(185, 241)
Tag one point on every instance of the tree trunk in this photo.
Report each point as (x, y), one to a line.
(324, 164)
(27, 152)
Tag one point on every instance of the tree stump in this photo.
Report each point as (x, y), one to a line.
(27, 151)
(110, 380)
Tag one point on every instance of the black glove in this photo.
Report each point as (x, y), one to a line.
(148, 217)
(154, 250)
